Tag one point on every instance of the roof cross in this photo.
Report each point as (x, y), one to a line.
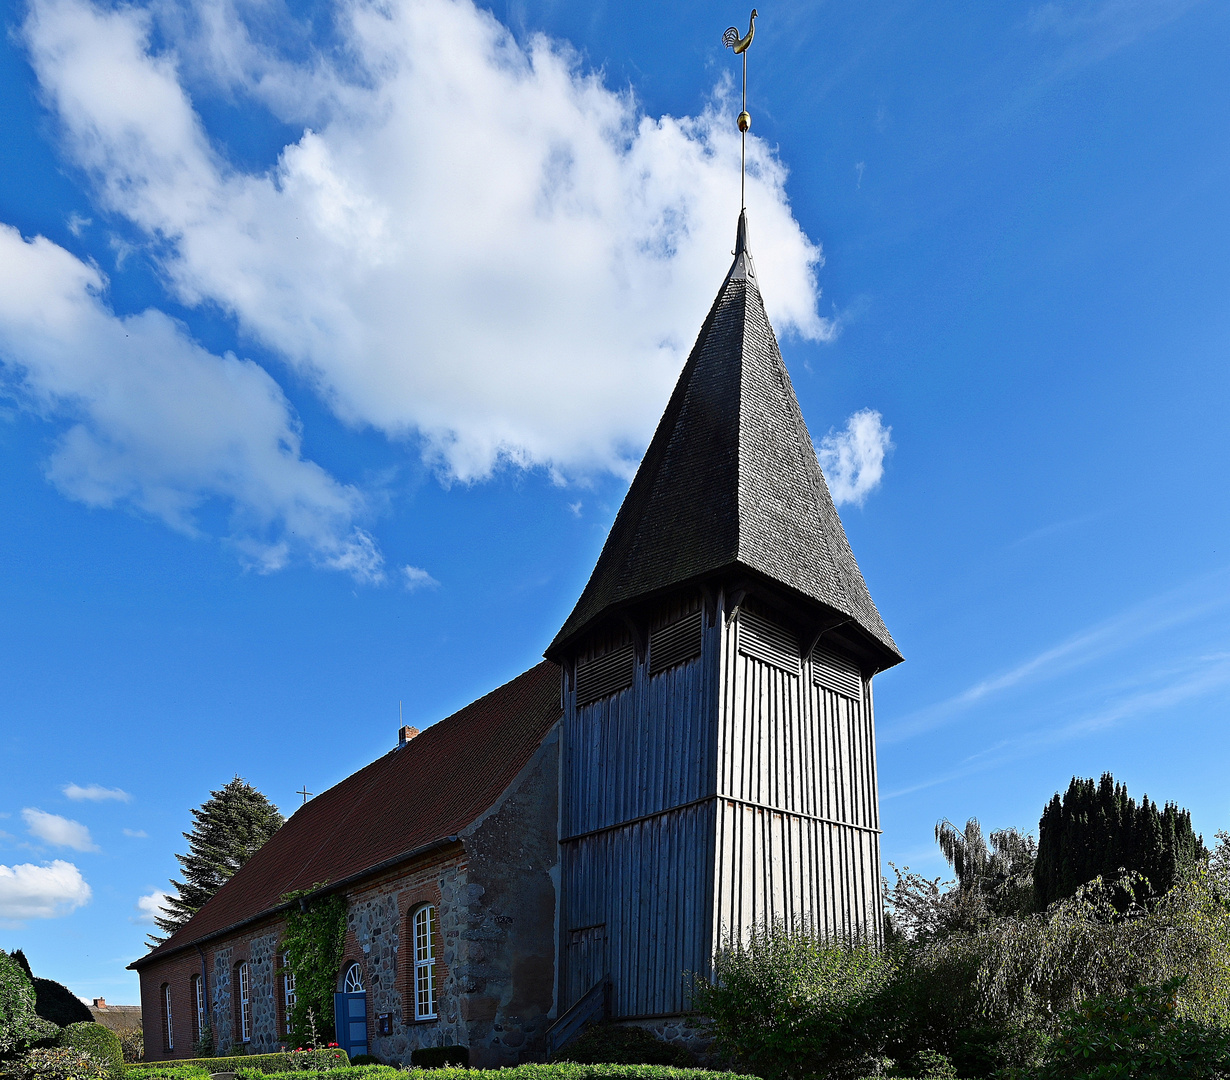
(305, 793)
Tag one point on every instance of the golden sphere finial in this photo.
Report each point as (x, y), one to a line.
(744, 121)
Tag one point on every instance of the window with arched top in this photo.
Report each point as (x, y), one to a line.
(353, 983)
(425, 963)
(244, 979)
(168, 1027)
(288, 995)
(198, 1008)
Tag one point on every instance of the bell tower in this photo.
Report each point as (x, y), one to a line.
(717, 752)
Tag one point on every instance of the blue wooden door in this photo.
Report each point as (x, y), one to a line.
(350, 1021)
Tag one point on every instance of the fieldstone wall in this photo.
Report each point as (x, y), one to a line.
(505, 920)
(687, 1031)
(220, 992)
(262, 964)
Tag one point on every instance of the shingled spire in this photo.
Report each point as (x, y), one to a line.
(731, 484)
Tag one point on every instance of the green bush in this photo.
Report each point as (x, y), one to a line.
(169, 1071)
(1137, 1036)
(434, 1057)
(560, 1070)
(353, 1072)
(58, 1063)
(20, 1024)
(290, 1061)
(932, 1065)
(365, 1059)
(787, 1003)
(99, 1042)
(613, 1044)
(132, 1044)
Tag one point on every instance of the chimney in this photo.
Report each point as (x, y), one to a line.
(100, 1003)
(405, 735)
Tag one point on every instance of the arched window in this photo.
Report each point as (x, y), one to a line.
(353, 983)
(168, 1027)
(425, 963)
(244, 980)
(198, 1008)
(288, 994)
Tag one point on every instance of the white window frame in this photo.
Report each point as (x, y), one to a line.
(245, 1003)
(288, 993)
(166, 1012)
(353, 982)
(198, 993)
(424, 924)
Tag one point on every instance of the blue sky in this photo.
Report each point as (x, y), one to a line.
(324, 384)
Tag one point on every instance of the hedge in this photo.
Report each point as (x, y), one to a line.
(354, 1072)
(102, 1044)
(294, 1061)
(563, 1070)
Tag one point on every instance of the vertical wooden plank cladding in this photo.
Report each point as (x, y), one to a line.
(639, 751)
(718, 795)
(648, 883)
(637, 847)
(795, 831)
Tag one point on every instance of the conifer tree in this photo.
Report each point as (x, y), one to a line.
(1098, 829)
(230, 826)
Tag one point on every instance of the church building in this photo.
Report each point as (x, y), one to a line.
(695, 757)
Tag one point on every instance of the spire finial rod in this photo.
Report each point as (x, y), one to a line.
(732, 40)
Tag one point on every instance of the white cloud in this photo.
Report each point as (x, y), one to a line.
(95, 793)
(853, 459)
(162, 425)
(57, 831)
(136, 834)
(77, 223)
(473, 240)
(151, 905)
(41, 892)
(415, 577)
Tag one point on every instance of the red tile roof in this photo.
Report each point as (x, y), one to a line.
(427, 791)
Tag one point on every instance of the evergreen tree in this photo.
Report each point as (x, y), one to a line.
(229, 828)
(53, 1001)
(1098, 829)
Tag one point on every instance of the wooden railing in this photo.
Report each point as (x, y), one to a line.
(593, 1007)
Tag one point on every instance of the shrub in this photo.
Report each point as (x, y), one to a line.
(166, 1072)
(56, 1002)
(292, 1061)
(560, 1070)
(932, 1065)
(365, 1059)
(59, 1063)
(433, 1057)
(1035, 968)
(99, 1042)
(788, 1003)
(1137, 1036)
(613, 1044)
(353, 1072)
(20, 1024)
(132, 1043)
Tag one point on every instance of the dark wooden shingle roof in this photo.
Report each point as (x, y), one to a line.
(427, 791)
(730, 481)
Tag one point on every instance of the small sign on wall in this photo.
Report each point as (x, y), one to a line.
(384, 1024)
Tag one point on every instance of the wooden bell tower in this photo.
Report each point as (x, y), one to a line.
(717, 754)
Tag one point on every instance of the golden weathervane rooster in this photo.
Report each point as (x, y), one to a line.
(732, 40)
